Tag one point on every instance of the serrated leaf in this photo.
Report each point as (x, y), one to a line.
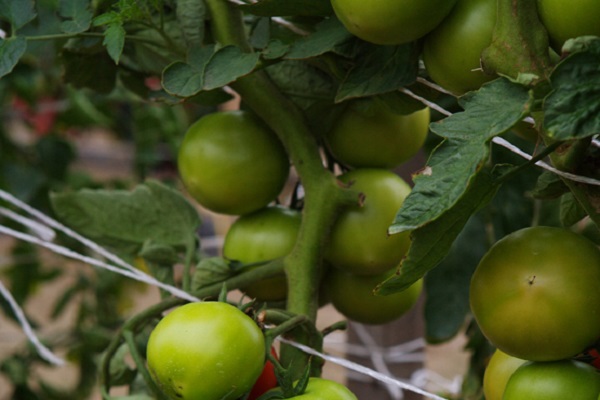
(11, 51)
(286, 8)
(17, 12)
(491, 111)
(211, 270)
(114, 40)
(572, 109)
(78, 15)
(190, 16)
(126, 220)
(328, 35)
(432, 241)
(382, 69)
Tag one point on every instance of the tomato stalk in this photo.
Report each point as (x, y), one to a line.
(323, 196)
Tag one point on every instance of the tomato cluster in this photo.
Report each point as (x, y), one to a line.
(535, 297)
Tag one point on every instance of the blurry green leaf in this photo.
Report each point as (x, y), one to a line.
(571, 211)
(17, 12)
(381, 69)
(114, 40)
(284, 8)
(78, 16)
(190, 16)
(492, 110)
(120, 372)
(575, 86)
(328, 34)
(96, 71)
(549, 186)
(158, 253)
(11, 51)
(127, 220)
(211, 270)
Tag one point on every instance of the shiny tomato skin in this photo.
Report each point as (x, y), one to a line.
(558, 380)
(352, 295)
(206, 351)
(325, 389)
(373, 136)
(232, 163)
(452, 51)
(497, 373)
(261, 236)
(391, 22)
(565, 20)
(359, 240)
(535, 294)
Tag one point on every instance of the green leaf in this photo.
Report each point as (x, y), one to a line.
(549, 186)
(211, 270)
(96, 71)
(273, 8)
(572, 109)
(17, 12)
(190, 16)
(127, 220)
(114, 40)
(432, 241)
(120, 372)
(210, 69)
(491, 111)
(11, 51)
(382, 69)
(78, 15)
(328, 35)
(571, 211)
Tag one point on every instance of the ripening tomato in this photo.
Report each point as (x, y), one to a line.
(497, 373)
(452, 51)
(206, 351)
(558, 380)
(371, 135)
(232, 163)
(261, 236)
(359, 241)
(535, 294)
(565, 20)
(391, 22)
(266, 381)
(352, 295)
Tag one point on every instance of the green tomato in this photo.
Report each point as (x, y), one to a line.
(497, 373)
(359, 241)
(373, 136)
(206, 351)
(352, 295)
(565, 20)
(535, 294)
(452, 51)
(391, 22)
(231, 163)
(559, 380)
(325, 389)
(264, 235)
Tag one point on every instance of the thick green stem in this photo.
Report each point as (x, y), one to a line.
(519, 42)
(323, 196)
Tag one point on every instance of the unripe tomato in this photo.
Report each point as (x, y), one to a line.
(325, 389)
(370, 135)
(352, 295)
(232, 163)
(452, 51)
(206, 351)
(535, 294)
(263, 235)
(391, 21)
(497, 373)
(559, 380)
(565, 20)
(359, 240)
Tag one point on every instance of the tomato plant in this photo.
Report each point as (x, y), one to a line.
(452, 51)
(391, 22)
(359, 241)
(497, 373)
(266, 381)
(532, 288)
(209, 350)
(262, 236)
(553, 380)
(232, 163)
(353, 296)
(566, 22)
(373, 136)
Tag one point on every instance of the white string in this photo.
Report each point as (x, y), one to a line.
(41, 230)
(352, 366)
